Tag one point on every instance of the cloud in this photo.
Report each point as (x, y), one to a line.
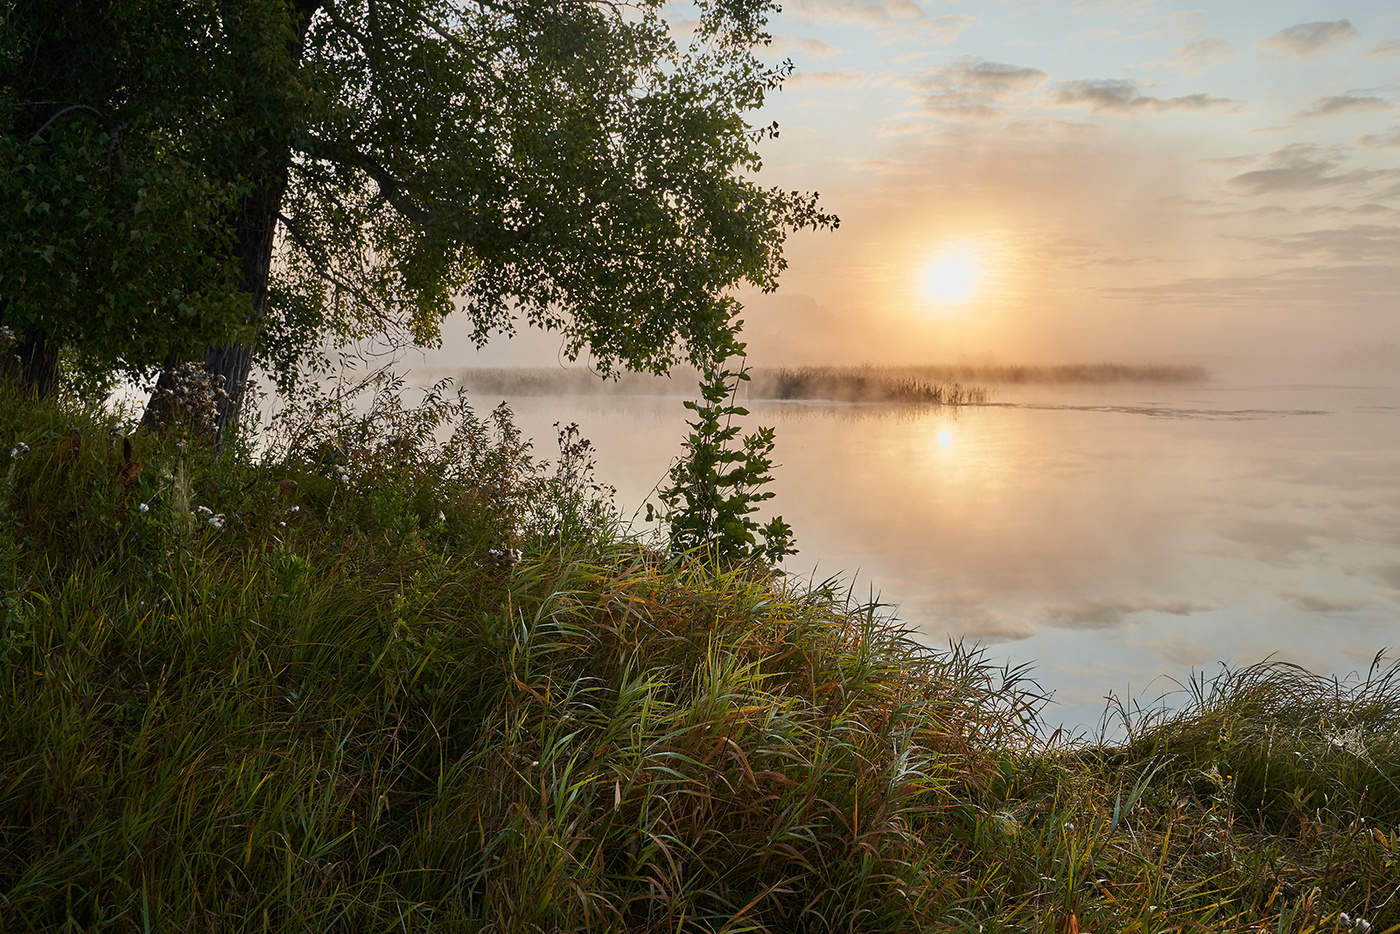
(1342, 103)
(1113, 7)
(867, 12)
(1315, 603)
(1323, 287)
(1107, 614)
(1389, 575)
(885, 15)
(1119, 95)
(1381, 140)
(1359, 242)
(1300, 167)
(1311, 38)
(975, 89)
(838, 78)
(808, 48)
(946, 29)
(1203, 52)
(1386, 48)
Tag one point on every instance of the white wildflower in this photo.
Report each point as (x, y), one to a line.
(1344, 920)
(295, 509)
(204, 510)
(1349, 741)
(19, 448)
(217, 520)
(505, 557)
(144, 507)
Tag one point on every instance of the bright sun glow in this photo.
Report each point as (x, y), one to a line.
(945, 438)
(952, 275)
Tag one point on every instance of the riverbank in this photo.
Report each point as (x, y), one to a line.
(374, 681)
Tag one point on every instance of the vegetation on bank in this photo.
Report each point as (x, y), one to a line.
(816, 384)
(931, 385)
(374, 680)
(863, 384)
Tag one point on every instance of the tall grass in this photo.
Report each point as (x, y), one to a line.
(348, 706)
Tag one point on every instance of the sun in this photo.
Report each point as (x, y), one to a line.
(951, 275)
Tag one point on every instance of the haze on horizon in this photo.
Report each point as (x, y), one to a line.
(1065, 180)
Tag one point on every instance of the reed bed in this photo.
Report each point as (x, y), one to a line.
(863, 384)
(383, 693)
(931, 385)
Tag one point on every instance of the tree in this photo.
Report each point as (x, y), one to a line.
(719, 481)
(112, 243)
(374, 164)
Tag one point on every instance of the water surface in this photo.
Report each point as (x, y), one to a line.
(1117, 536)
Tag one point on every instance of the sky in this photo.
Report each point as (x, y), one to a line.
(1124, 179)
(1041, 181)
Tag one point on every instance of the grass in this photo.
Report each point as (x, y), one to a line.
(336, 709)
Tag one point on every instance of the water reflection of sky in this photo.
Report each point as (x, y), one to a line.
(1116, 536)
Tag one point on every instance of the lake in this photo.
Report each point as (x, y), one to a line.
(1117, 536)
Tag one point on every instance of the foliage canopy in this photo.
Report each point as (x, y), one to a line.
(271, 172)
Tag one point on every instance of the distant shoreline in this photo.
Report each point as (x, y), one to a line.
(938, 385)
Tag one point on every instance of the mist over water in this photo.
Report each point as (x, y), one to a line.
(1117, 535)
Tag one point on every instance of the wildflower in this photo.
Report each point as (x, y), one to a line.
(295, 509)
(1069, 825)
(1344, 920)
(217, 520)
(204, 510)
(505, 557)
(144, 507)
(281, 525)
(19, 448)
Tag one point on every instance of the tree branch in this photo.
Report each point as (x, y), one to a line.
(323, 269)
(69, 109)
(390, 188)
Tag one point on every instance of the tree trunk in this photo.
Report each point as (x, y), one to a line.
(229, 364)
(33, 368)
(256, 226)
